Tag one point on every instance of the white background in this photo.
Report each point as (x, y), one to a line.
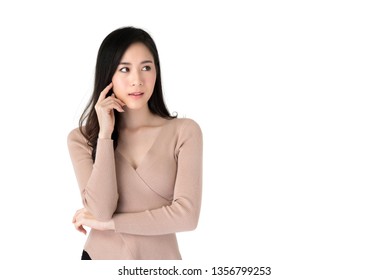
(292, 98)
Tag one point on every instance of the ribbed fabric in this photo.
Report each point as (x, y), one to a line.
(148, 204)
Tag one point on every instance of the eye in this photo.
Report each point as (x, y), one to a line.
(146, 68)
(124, 70)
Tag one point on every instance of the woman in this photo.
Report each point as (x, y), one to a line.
(139, 169)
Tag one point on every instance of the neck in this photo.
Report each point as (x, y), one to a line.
(133, 119)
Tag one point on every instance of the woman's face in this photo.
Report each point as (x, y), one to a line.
(134, 79)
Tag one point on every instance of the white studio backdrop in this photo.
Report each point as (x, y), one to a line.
(292, 98)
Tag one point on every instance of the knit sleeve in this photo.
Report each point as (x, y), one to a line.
(97, 181)
(183, 213)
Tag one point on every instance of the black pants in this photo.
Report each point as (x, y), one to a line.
(85, 256)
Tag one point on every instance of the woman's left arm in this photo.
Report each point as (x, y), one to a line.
(184, 211)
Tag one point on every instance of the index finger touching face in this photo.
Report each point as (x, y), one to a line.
(103, 94)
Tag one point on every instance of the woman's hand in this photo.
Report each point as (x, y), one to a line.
(83, 218)
(105, 114)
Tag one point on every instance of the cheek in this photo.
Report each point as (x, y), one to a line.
(150, 79)
(118, 84)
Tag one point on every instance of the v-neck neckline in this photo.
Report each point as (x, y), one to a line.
(146, 155)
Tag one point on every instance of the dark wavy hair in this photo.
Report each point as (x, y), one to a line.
(108, 58)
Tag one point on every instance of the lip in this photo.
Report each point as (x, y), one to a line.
(136, 93)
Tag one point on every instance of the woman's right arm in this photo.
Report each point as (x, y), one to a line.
(97, 181)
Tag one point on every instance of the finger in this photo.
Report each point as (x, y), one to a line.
(110, 104)
(117, 99)
(77, 213)
(79, 225)
(110, 100)
(80, 228)
(113, 97)
(75, 216)
(103, 94)
(118, 108)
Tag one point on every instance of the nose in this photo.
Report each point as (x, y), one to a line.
(136, 79)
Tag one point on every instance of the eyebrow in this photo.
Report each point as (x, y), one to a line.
(143, 62)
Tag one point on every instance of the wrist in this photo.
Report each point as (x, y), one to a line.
(110, 225)
(103, 135)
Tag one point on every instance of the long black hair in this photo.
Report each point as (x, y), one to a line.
(108, 58)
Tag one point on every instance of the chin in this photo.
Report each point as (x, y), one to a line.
(135, 106)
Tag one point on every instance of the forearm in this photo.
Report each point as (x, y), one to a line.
(100, 194)
(181, 215)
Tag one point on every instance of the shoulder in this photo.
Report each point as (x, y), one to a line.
(75, 139)
(186, 127)
(187, 130)
(75, 135)
(185, 124)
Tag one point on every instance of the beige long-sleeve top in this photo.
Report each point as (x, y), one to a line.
(148, 204)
